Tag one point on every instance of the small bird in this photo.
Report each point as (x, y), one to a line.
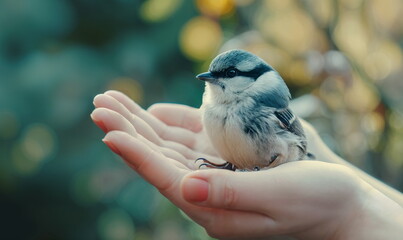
(246, 114)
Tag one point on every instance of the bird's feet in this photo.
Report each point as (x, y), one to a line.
(206, 163)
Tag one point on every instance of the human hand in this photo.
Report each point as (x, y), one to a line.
(175, 129)
(307, 200)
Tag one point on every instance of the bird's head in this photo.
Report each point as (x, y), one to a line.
(238, 74)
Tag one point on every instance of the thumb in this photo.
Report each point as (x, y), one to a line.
(226, 189)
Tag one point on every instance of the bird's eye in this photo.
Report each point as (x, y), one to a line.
(230, 73)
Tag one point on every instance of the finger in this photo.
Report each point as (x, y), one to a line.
(224, 223)
(184, 117)
(142, 128)
(278, 189)
(160, 171)
(109, 120)
(232, 224)
(149, 134)
(184, 154)
(180, 140)
(132, 106)
(175, 134)
(169, 133)
(246, 191)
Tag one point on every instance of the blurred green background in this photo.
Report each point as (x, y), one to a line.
(342, 60)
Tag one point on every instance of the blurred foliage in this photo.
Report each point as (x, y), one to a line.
(341, 58)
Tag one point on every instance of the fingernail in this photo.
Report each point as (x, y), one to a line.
(101, 125)
(195, 190)
(112, 147)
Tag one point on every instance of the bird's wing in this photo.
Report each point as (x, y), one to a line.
(290, 123)
(286, 117)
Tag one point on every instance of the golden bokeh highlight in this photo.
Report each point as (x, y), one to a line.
(9, 125)
(373, 122)
(37, 145)
(382, 61)
(331, 91)
(128, 86)
(158, 10)
(297, 73)
(361, 97)
(276, 57)
(200, 38)
(355, 143)
(216, 8)
(21, 163)
(322, 10)
(386, 14)
(352, 36)
(116, 223)
(290, 29)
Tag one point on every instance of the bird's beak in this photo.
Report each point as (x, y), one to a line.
(207, 76)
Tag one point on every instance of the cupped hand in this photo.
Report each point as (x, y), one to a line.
(163, 153)
(305, 199)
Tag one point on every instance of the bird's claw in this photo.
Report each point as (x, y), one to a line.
(206, 163)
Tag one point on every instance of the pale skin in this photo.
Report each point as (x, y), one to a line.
(326, 199)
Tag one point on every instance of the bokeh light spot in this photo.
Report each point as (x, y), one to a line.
(386, 14)
(361, 97)
(37, 144)
(355, 143)
(373, 122)
(322, 10)
(9, 125)
(158, 10)
(128, 86)
(297, 73)
(116, 224)
(384, 60)
(200, 38)
(291, 20)
(21, 163)
(351, 35)
(216, 7)
(331, 91)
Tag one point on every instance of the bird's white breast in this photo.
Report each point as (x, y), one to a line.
(226, 131)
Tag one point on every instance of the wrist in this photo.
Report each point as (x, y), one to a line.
(372, 215)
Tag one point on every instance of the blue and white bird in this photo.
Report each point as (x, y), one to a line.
(246, 114)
